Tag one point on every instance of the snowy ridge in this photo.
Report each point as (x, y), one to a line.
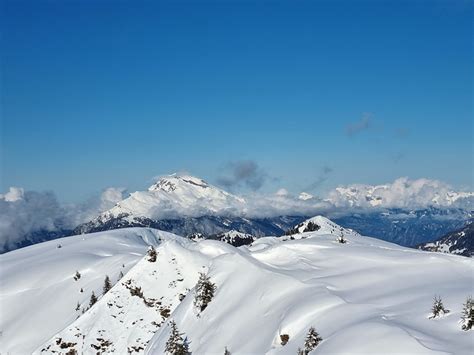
(350, 292)
(128, 315)
(365, 296)
(322, 225)
(38, 294)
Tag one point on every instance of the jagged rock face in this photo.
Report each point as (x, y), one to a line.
(460, 242)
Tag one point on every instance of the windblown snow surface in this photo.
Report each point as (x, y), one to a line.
(364, 297)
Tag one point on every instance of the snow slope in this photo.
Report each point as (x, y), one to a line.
(364, 297)
(38, 294)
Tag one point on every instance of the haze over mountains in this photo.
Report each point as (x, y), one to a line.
(408, 212)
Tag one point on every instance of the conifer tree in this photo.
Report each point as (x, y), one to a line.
(77, 276)
(341, 239)
(204, 292)
(176, 344)
(151, 254)
(81, 290)
(467, 315)
(120, 275)
(438, 308)
(226, 351)
(93, 299)
(312, 341)
(107, 285)
(78, 306)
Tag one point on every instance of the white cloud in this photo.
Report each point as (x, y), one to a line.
(401, 193)
(13, 194)
(282, 192)
(25, 212)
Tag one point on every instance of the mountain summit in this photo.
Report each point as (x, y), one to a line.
(175, 194)
(185, 205)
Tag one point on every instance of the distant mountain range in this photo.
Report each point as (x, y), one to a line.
(460, 242)
(406, 227)
(187, 205)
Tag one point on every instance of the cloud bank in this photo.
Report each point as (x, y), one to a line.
(23, 213)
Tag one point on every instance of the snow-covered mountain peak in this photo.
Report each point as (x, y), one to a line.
(175, 182)
(174, 196)
(320, 225)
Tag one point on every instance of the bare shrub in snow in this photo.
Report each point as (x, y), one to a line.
(284, 339)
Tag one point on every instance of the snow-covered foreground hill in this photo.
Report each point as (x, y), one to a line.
(38, 294)
(365, 296)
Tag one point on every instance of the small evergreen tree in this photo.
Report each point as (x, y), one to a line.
(467, 315)
(226, 351)
(107, 285)
(311, 227)
(77, 276)
(438, 308)
(93, 299)
(82, 290)
(120, 275)
(312, 341)
(204, 292)
(341, 239)
(78, 306)
(176, 344)
(151, 254)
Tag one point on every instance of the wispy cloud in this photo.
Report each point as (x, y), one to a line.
(320, 179)
(25, 212)
(243, 173)
(363, 124)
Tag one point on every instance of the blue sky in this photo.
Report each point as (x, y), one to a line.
(105, 93)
